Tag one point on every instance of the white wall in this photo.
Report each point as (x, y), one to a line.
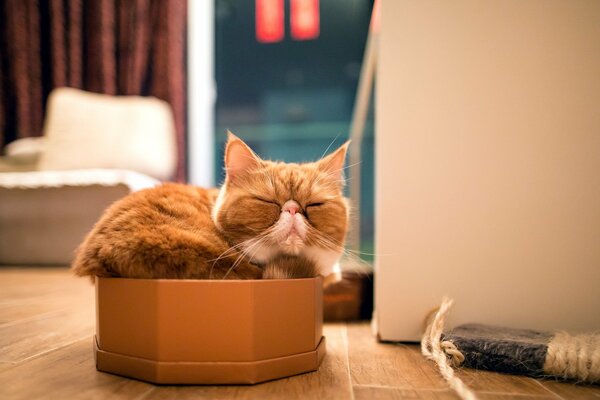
(488, 163)
(201, 92)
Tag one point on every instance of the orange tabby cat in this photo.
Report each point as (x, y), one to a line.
(289, 218)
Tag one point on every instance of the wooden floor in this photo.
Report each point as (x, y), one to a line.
(47, 323)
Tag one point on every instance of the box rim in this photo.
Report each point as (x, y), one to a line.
(213, 281)
(241, 372)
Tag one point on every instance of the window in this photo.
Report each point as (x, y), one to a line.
(289, 92)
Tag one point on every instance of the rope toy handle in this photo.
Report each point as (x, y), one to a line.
(442, 353)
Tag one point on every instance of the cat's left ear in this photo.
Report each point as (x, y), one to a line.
(239, 158)
(333, 164)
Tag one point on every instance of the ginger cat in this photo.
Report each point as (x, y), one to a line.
(268, 220)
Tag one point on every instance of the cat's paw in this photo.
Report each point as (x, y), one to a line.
(284, 266)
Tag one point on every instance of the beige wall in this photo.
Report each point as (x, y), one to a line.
(488, 163)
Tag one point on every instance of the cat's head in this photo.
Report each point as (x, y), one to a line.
(267, 208)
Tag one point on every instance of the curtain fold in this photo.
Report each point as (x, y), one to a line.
(122, 47)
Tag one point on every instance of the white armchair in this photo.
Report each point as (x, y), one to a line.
(95, 149)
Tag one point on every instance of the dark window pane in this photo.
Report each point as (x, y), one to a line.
(291, 99)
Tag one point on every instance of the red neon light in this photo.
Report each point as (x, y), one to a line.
(304, 19)
(269, 21)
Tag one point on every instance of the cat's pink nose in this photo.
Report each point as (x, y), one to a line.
(291, 206)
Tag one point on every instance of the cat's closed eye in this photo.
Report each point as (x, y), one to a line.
(313, 210)
(263, 200)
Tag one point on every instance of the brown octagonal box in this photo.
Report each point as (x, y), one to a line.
(208, 331)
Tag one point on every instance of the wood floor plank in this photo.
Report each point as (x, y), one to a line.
(6, 366)
(486, 381)
(24, 285)
(17, 273)
(568, 390)
(33, 275)
(47, 321)
(363, 392)
(504, 396)
(68, 315)
(67, 373)
(331, 381)
(196, 392)
(385, 364)
(36, 305)
(28, 339)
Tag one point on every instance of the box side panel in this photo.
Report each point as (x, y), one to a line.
(205, 321)
(127, 316)
(318, 321)
(487, 159)
(285, 315)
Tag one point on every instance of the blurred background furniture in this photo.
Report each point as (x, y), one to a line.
(113, 47)
(96, 149)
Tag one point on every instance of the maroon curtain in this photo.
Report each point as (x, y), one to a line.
(106, 46)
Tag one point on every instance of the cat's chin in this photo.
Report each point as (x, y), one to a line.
(293, 245)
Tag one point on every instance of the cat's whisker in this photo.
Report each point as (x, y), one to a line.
(350, 166)
(350, 256)
(258, 248)
(256, 244)
(364, 253)
(330, 144)
(335, 172)
(235, 264)
(245, 251)
(232, 250)
(331, 180)
(323, 238)
(333, 177)
(327, 243)
(225, 253)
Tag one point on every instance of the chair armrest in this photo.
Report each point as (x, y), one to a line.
(22, 154)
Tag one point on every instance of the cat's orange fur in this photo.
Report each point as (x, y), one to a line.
(264, 210)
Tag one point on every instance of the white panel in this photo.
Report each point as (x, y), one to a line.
(488, 164)
(201, 92)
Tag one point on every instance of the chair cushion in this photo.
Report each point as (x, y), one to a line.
(89, 130)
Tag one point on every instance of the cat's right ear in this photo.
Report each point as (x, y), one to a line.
(239, 158)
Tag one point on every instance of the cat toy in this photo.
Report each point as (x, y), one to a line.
(517, 351)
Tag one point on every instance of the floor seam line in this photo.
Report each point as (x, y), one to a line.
(548, 390)
(33, 357)
(347, 352)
